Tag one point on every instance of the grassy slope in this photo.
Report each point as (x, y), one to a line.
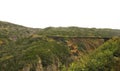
(104, 58)
(17, 55)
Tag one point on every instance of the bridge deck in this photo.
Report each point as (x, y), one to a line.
(80, 37)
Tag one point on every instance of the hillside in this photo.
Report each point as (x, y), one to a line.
(14, 32)
(57, 49)
(104, 58)
(77, 31)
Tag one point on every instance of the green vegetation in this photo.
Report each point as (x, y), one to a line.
(19, 54)
(53, 49)
(76, 31)
(104, 58)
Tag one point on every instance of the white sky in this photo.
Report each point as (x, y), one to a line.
(44, 13)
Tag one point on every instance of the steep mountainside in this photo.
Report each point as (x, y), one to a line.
(55, 49)
(104, 58)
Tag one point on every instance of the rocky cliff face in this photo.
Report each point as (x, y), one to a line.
(81, 46)
(39, 67)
